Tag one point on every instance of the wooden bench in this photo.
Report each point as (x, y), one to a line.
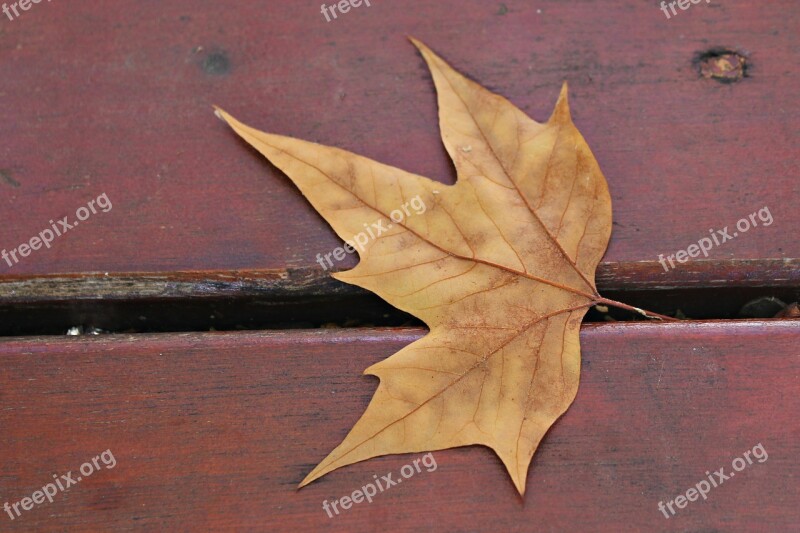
(234, 364)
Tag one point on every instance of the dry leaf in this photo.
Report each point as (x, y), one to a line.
(500, 266)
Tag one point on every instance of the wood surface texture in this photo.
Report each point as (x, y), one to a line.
(214, 431)
(115, 97)
(224, 300)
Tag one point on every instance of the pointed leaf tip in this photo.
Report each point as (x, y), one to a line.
(561, 113)
(423, 49)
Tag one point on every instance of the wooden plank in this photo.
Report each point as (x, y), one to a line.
(214, 431)
(116, 98)
(290, 298)
(288, 282)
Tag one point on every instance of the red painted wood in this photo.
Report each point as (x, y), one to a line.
(214, 431)
(115, 97)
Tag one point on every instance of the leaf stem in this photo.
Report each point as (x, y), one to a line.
(648, 314)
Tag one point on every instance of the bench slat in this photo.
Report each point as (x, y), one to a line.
(214, 431)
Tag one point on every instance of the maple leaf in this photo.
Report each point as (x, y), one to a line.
(500, 267)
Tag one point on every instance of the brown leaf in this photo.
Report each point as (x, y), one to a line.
(791, 311)
(500, 266)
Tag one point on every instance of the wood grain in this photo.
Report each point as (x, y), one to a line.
(214, 431)
(115, 98)
(308, 297)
